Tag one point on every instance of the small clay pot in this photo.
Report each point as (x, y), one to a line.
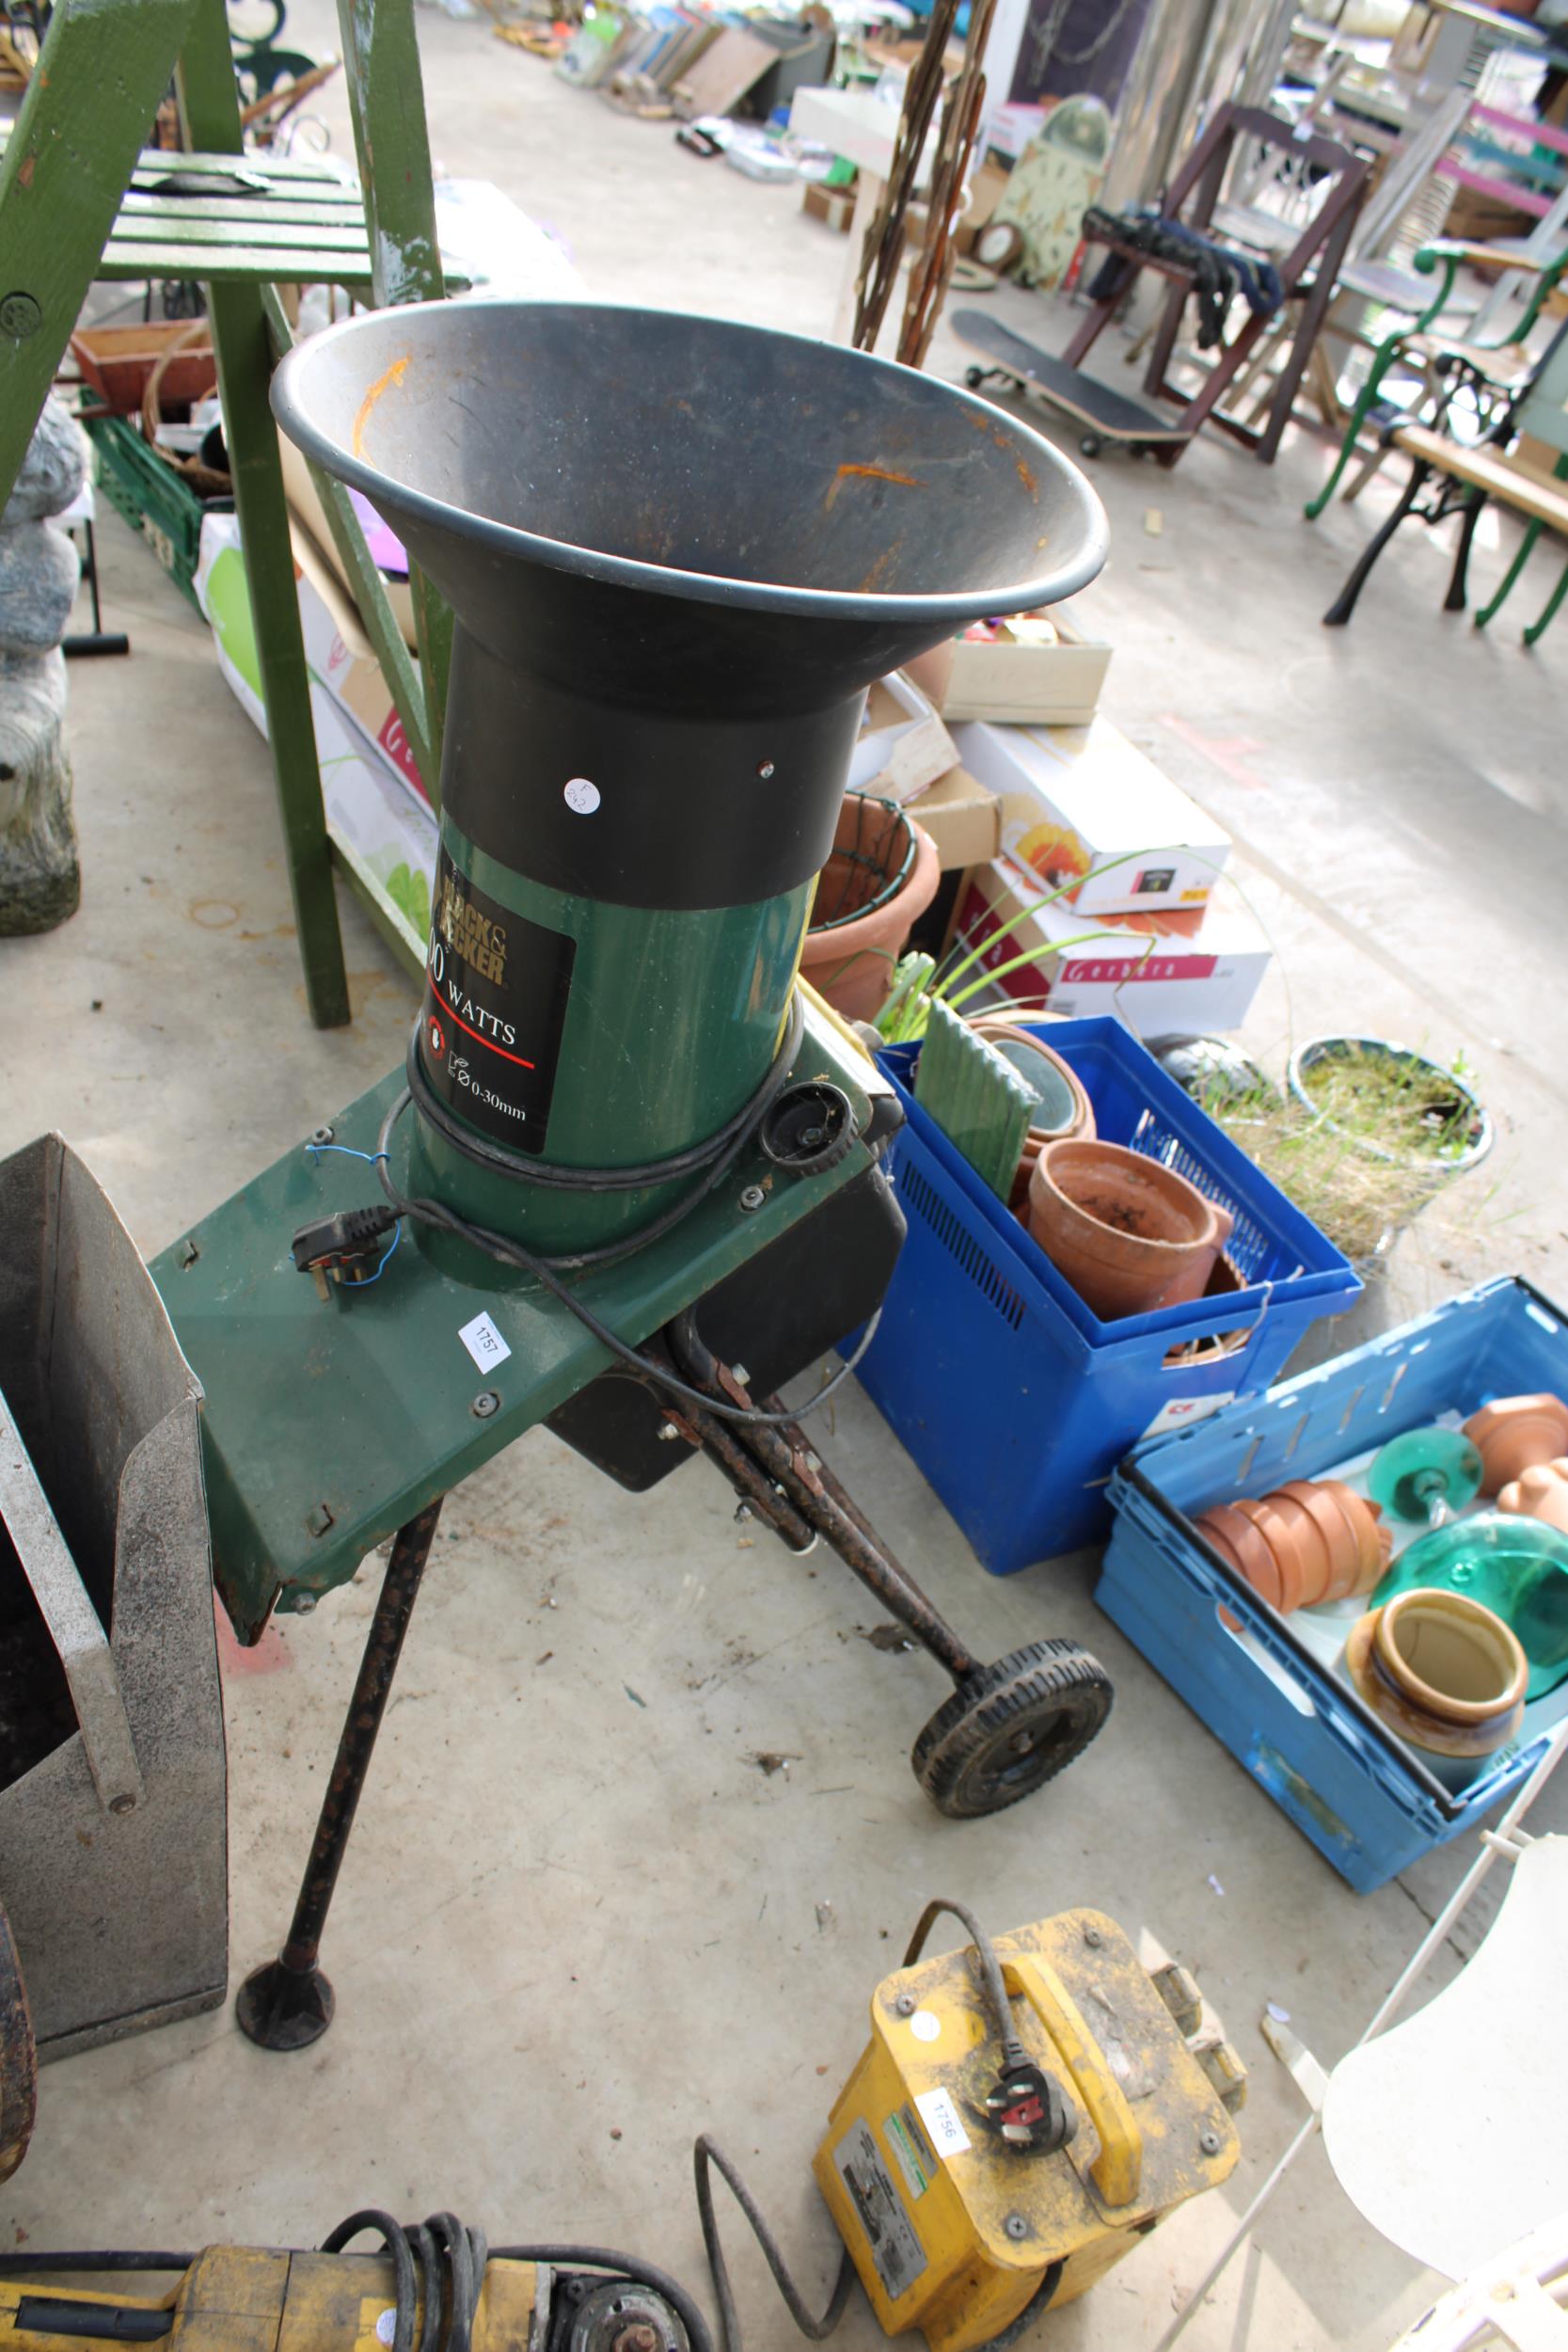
(1267, 1524)
(850, 961)
(1333, 1523)
(1540, 1493)
(1225, 1279)
(1514, 1432)
(1128, 1234)
(1236, 1539)
(1441, 1670)
(1375, 1539)
(1293, 1538)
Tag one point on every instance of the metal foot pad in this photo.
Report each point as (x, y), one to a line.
(284, 2009)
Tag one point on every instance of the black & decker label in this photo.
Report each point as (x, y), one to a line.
(490, 1032)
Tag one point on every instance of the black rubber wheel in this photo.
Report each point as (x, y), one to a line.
(975, 377)
(1011, 1727)
(1091, 444)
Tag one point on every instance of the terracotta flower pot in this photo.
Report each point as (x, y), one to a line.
(1286, 1567)
(1308, 1541)
(1440, 1670)
(1540, 1492)
(1340, 1536)
(1066, 1109)
(1299, 1550)
(858, 925)
(1376, 1540)
(1225, 1279)
(1237, 1540)
(1128, 1234)
(1514, 1432)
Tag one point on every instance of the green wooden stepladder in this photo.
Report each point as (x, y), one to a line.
(80, 201)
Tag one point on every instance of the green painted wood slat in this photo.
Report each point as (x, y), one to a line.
(190, 225)
(245, 265)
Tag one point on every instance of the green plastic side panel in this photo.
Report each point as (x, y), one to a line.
(327, 1425)
(671, 1022)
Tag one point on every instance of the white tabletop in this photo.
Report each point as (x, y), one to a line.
(855, 125)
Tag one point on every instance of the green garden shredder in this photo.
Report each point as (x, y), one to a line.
(627, 1183)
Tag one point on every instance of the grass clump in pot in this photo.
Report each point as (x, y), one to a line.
(1379, 1133)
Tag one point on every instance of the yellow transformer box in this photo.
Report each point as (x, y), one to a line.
(937, 2166)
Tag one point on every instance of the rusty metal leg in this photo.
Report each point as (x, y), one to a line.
(823, 1502)
(785, 1455)
(287, 2004)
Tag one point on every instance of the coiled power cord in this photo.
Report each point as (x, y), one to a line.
(439, 2265)
(712, 1160)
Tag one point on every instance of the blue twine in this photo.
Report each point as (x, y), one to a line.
(348, 1151)
(386, 1255)
(370, 1158)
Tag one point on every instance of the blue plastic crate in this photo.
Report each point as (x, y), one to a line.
(1362, 1797)
(1013, 1397)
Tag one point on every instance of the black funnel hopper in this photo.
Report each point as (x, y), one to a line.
(678, 549)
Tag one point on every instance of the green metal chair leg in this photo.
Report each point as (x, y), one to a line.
(243, 348)
(1364, 401)
(1510, 578)
(1538, 628)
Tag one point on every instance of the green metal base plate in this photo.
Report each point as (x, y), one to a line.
(328, 1423)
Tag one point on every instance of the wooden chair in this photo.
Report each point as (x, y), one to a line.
(79, 201)
(1308, 258)
(1523, 464)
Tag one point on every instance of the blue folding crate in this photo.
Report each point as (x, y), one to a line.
(1363, 1798)
(1010, 1393)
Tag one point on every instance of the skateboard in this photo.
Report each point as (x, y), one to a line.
(1101, 414)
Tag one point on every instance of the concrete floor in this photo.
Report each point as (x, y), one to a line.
(580, 1923)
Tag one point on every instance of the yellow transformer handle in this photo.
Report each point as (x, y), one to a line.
(1118, 2168)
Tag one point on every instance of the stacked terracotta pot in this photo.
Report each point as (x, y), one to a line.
(1308, 1541)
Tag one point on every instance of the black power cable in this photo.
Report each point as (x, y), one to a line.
(722, 1146)
(439, 2265)
(708, 2154)
(705, 2153)
(991, 1969)
(439, 2270)
(546, 1270)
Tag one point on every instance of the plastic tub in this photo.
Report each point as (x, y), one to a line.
(1012, 1396)
(1364, 1799)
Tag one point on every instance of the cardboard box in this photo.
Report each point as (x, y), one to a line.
(1158, 974)
(962, 818)
(1084, 802)
(903, 744)
(340, 659)
(999, 678)
(837, 206)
